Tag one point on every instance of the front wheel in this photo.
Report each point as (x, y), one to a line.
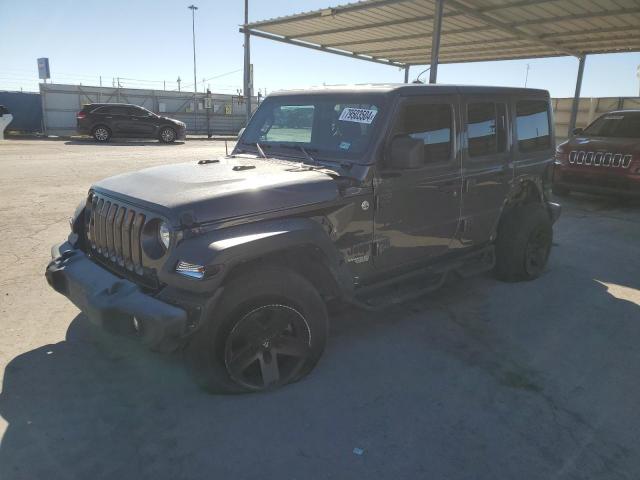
(167, 135)
(525, 236)
(269, 329)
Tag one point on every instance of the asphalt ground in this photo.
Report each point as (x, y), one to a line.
(480, 380)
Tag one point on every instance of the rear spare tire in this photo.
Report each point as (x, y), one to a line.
(525, 235)
(269, 329)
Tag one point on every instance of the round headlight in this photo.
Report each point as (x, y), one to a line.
(164, 234)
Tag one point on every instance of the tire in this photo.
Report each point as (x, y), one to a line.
(167, 135)
(525, 236)
(264, 316)
(101, 133)
(560, 191)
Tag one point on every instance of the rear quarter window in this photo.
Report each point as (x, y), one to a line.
(532, 125)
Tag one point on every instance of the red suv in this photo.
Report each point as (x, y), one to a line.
(603, 158)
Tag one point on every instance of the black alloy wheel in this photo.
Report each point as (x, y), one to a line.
(268, 347)
(167, 135)
(268, 329)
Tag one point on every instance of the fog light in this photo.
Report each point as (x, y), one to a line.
(190, 270)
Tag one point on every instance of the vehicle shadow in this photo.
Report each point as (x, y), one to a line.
(121, 143)
(440, 387)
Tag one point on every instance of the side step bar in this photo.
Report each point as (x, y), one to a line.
(422, 281)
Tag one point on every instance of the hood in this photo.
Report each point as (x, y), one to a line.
(602, 144)
(224, 188)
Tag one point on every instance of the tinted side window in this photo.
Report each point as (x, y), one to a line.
(481, 129)
(431, 123)
(111, 111)
(138, 111)
(532, 122)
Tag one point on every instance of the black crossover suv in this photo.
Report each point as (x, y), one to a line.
(106, 120)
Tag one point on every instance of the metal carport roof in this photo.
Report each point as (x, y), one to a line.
(399, 32)
(402, 33)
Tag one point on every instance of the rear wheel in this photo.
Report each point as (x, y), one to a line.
(101, 134)
(269, 329)
(524, 242)
(167, 135)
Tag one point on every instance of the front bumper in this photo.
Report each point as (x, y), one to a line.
(618, 185)
(112, 303)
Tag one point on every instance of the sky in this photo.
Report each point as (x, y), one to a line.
(147, 43)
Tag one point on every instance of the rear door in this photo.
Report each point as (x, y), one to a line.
(418, 209)
(116, 118)
(487, 170)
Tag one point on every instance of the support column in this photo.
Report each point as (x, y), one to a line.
(576, 96)
(406, 74)
(247, 60)
(435, 40)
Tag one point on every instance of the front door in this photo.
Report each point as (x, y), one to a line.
(487, 170)
(139, 122)
(418, 209)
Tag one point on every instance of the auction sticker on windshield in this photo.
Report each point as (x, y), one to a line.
(359, 115)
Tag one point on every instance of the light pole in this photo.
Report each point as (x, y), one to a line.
(247, 60)
(193, 9)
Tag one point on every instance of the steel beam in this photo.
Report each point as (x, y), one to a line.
(321, 48)
(247, 61)
(435, 40)
(576, 96)
(406, 73)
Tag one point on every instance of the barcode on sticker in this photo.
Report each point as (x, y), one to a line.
(359, 115)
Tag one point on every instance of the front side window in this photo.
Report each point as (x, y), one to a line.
(339, 126)
(620, 125)
(532, 123)
(138, 112)
(431, 123)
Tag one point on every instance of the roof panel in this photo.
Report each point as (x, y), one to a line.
(399, 31)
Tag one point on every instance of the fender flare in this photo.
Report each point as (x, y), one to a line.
(231, 247)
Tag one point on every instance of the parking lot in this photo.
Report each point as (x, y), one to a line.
(481, 379)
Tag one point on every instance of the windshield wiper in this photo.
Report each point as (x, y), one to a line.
(305, 152)
(310, 159)
(258, 146)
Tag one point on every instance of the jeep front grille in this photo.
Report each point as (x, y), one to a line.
(599, 159)
(114, 232)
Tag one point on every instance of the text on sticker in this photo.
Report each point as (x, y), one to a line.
(359, 115)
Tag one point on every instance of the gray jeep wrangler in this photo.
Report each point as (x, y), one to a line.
(368, 195)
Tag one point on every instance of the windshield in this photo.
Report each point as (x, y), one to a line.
(329, 128)
(621, 125)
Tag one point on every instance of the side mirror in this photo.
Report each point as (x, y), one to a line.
(578, 131)
(406, 152)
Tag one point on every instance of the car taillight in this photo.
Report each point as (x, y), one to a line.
(81, 114)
